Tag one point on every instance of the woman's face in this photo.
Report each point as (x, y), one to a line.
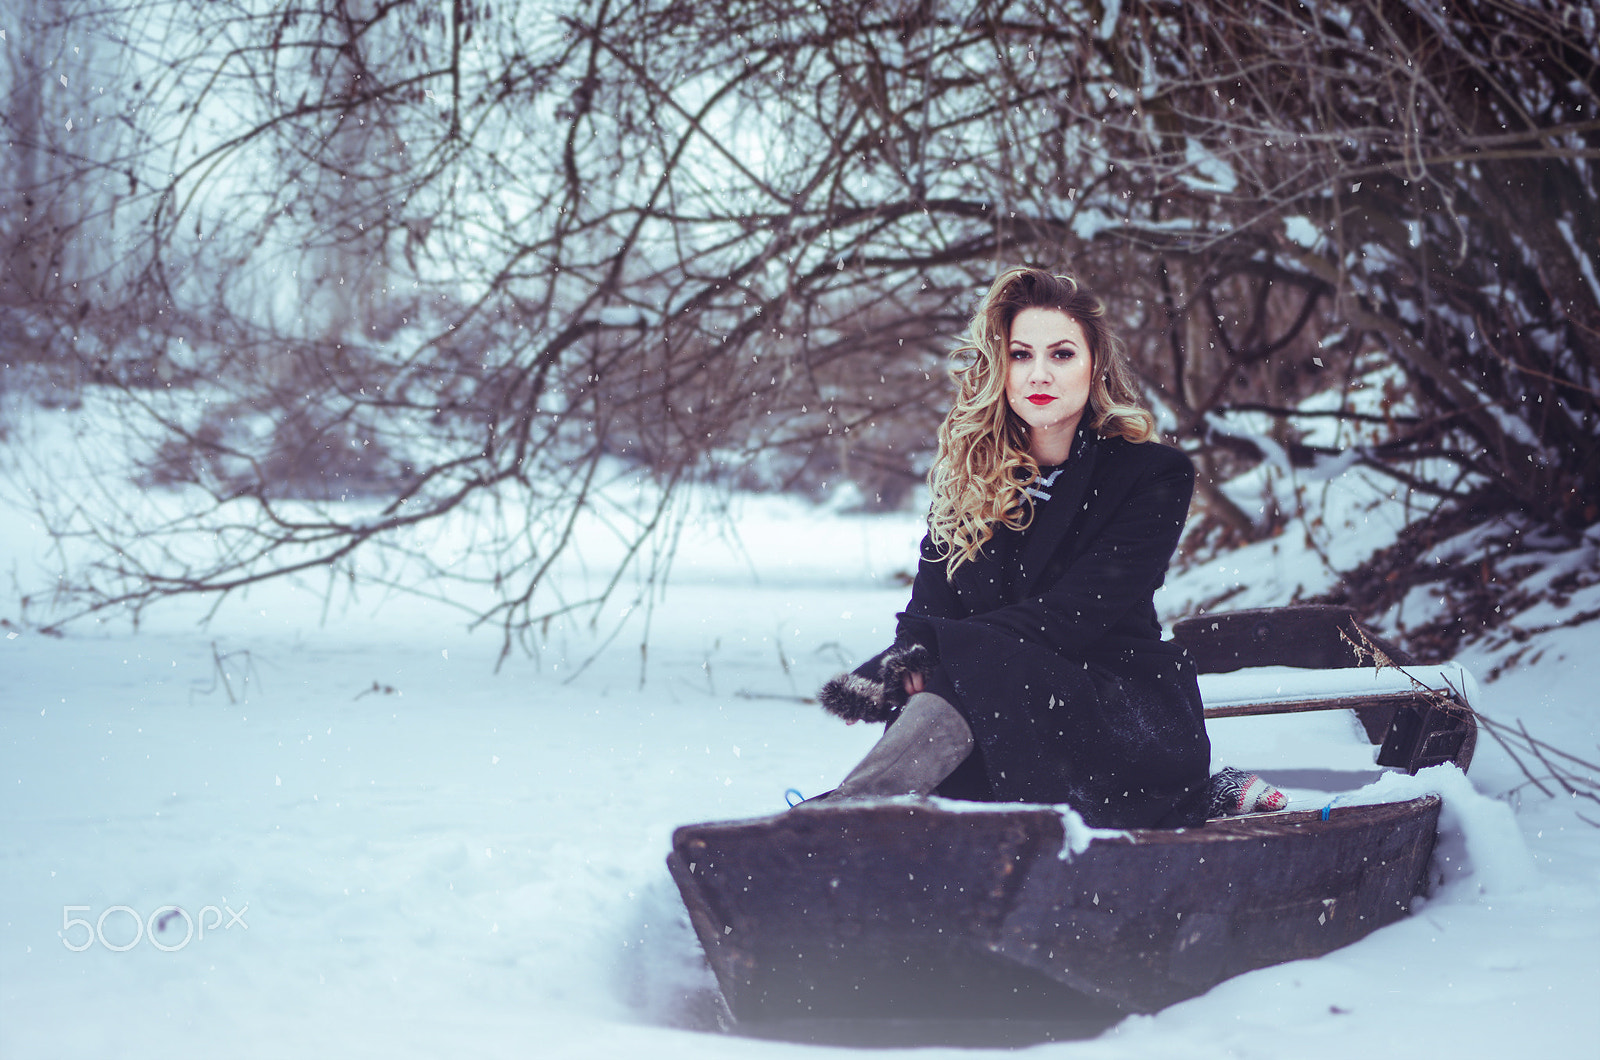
(1047, 383)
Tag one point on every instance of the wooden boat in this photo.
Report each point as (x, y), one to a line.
(905, 913)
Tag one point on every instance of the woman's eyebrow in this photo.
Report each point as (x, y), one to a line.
(1053, 345)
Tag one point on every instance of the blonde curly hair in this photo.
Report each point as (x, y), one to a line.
(979, 478)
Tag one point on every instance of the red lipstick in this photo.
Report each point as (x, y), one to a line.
(1040, 399)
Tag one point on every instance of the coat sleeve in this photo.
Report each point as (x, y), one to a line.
(875, 690)
(932, 596)
(1123, 565)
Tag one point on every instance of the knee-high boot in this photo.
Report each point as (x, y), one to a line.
(921, 747)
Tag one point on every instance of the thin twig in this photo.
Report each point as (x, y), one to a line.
(1511, 739)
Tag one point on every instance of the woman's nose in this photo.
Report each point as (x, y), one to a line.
(1039, 370)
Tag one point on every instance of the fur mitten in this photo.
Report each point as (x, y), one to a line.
(900, 662)
(860, 696)
(854, 697)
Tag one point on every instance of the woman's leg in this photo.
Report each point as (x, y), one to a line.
(921, 747)
(970, 779)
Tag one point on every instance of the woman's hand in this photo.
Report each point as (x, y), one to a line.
(914, 683)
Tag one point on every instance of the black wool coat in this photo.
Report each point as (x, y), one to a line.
(1050, 647)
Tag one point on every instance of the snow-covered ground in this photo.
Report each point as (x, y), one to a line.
(386, 848)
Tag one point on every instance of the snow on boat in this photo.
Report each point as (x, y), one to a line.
(897, 912)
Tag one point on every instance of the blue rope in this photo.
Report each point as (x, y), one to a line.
(793, 797)
(1329, 808)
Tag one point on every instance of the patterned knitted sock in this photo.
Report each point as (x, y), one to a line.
(1233, 792)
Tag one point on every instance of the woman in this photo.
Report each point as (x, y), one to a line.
(1029, 664)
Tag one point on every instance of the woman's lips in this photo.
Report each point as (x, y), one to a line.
(1040, 399)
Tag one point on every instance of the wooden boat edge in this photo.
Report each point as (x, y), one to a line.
(1250, 825)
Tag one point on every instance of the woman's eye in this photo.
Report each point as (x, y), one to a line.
(1019, 355)
(1065, 355)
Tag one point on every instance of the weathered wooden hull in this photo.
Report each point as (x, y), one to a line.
(906, 910)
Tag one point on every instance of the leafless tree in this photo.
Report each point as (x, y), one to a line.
(1418, 179)
(733, 241)
(63, 175)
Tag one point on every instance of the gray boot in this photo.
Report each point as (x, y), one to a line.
(922, 747)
